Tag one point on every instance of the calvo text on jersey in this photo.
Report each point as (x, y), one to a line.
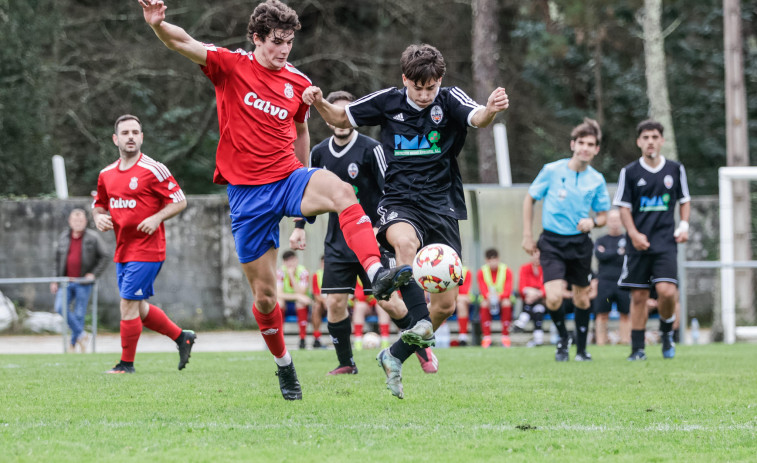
(119, 203)
(251, 99)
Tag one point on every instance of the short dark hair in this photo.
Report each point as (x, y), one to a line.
(271, 15)
(648, 124)
(288, 254)
(422, 63)
(491, 253)
(126, 117)
(340, 95)
(589, 127)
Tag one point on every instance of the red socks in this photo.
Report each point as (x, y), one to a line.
(506, 317)
(272, 328)
(462, 324)
(358, 232)
(130, 331)
(358, 328)
(384, 330)
(302, 321)
(158, 321)
(486, 322)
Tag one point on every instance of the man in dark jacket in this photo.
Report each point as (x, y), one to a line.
(80, 253)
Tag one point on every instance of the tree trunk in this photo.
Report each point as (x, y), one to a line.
(485, 57)
(737, 152)
(657, 83)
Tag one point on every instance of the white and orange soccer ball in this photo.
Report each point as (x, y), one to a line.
(437, 268)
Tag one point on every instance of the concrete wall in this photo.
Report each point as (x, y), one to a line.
(202, 284)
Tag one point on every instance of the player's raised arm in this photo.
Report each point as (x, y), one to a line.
(332, 114)
(174, 37)
(498, 101)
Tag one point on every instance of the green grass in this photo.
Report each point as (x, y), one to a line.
(483, 405)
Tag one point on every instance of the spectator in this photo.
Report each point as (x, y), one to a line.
(531, 289)
(495, 282)
(610, 251)
(293, 280)
(79, 253)
(463, 307)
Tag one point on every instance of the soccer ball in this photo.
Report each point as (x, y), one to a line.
(437, 268)
(371, 340)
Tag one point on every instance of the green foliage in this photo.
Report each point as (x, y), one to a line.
(483, 405)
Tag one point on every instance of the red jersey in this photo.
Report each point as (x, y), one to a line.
(131, 196)
(507, 284)
(527, 278)
(467, 281)
(257, 108)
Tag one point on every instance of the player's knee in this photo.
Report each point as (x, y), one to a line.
(554, 301)
(342, 194)
(407, 246)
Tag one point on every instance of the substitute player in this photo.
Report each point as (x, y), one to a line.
(570, 188)
(135, 195)
(264, 141)
(423, 128)
(360, 161)
(648, 190)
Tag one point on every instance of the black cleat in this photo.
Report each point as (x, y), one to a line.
(638, 354)
(317, 344)
(185, 343)
(387, 280)
(120, 368)
(288, 383)
(302, 344)
(563, 346)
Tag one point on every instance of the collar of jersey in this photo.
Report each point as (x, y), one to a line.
(345, 149)
(415, 106)
(651, 169)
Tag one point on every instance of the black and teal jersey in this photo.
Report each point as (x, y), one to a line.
(651, 194)
(360, 163)
(421, 146)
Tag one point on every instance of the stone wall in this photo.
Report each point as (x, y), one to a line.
(202, 283)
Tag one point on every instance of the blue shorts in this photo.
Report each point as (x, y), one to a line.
(256, 211)
(135, 279)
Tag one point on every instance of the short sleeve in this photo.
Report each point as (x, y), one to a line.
(601, 201)
(368, 110)
(540, 185)
(462, 106)
(101, 200)
(165, 185)
(623, 195)
(219, 62)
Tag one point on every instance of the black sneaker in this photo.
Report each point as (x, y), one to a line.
(302, 344)
(462, 343)
(317, 344)
(120, 368)
(387, 280)
(563, 346)
(185, 343)
(290, 386)
(583, 357)
(638, 354)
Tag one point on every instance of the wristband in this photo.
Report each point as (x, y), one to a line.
(299, 223)
(683, 227)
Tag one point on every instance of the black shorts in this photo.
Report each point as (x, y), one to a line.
(608, 292)
(430, 227)
(642, 270)
(341, 277)
(566, 257)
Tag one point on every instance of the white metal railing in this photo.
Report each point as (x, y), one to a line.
(64, 281)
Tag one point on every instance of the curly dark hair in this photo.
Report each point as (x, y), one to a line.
(271, 15)
(422, 63)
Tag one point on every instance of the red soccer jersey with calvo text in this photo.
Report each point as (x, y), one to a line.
(257, 108)
(131, 196)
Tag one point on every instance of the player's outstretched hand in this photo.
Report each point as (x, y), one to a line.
(298, 239)
(154, 11)
(312, 95)
(498, 100)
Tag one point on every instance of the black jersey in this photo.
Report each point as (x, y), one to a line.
(360, 163)
(421, 146)
(610, 252)
(651, 194)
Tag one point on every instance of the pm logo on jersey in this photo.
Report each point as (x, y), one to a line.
(133, 183)
(419, 145)
(352, 170)
(437, 114)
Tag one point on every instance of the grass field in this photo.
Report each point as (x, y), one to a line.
(483, 405)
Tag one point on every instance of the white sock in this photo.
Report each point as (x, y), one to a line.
(538, 337)
(284, 361)
(373, 270)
